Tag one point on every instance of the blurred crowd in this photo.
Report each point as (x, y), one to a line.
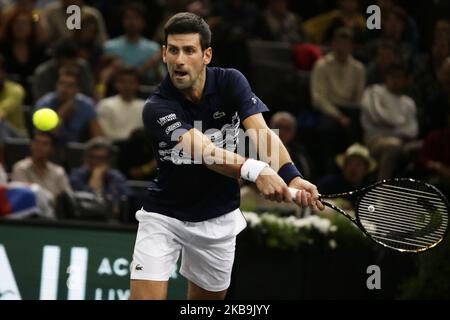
(352, 105)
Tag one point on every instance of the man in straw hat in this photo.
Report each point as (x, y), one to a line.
(356, 164)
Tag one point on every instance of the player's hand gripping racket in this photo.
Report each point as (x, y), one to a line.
(402, 214)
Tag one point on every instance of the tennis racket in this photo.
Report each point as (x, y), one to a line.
(402, 214)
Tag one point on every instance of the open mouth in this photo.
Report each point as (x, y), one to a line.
(180, 74)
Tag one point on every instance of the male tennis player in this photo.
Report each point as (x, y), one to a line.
(193, 205)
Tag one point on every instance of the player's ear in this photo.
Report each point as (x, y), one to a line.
(164, 50)
(207, 56)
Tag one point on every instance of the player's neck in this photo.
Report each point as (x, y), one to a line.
(195, 92)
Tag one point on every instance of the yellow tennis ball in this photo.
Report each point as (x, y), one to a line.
(45, 119)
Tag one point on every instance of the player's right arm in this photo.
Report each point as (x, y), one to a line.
(199, 146)
(178, 137)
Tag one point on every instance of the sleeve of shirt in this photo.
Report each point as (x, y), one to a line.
(78, 181)
(122, 186)
(12, 98)
(91, 112)
(243, 97)
(18, 174)
(164, 123)
(42, 103)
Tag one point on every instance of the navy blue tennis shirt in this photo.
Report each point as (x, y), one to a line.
(184, 189)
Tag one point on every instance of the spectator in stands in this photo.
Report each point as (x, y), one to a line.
(286, 125)
(411, 30)
(39, 169)
(87, 40)
(136, 158)
(320, 29)
(18, 43)
(233, 23)
(78, 117)
(56, 17)
(11, 99)
(134, 49)
(394, 22)
(104, 75)
(278, 23)
(337, 85)
(3, 175)
(237, 14)
(387, 54)
(33, 7)
(389, 119)
(64, 54)
(434, 157)
(121, 114)
(427, 84)
(97, 176)
(356, 164)
(433, 113)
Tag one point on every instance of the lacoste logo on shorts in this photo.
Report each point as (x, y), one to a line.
(218, 114)
(138, 267)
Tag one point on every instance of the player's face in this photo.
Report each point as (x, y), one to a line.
(185, 59)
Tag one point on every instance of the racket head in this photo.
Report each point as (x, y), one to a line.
(403, 214)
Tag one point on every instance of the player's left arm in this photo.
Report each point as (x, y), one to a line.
(272, 151)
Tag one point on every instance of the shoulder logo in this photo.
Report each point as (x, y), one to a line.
(163, 120)
(254, 100)
(218, 114)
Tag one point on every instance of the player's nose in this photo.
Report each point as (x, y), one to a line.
(179, 60)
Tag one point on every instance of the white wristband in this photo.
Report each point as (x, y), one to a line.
(251, 169)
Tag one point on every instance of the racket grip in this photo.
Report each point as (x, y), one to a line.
(293, 192)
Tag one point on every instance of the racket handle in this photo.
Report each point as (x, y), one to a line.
(293, 192)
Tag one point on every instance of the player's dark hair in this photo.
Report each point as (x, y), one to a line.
(186, 22)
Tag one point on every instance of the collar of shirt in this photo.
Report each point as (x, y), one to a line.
(168, 90)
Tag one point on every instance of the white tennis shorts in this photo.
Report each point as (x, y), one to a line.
(207, 248)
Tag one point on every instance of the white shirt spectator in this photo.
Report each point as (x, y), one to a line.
(54, 180)
(385, 114)
(119, 118)
(335, 84)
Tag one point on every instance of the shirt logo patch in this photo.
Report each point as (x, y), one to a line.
(254, 100)
(218, 114)
(173, 127)
(163, 120)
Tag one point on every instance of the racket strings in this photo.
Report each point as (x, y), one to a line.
(404, 214)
